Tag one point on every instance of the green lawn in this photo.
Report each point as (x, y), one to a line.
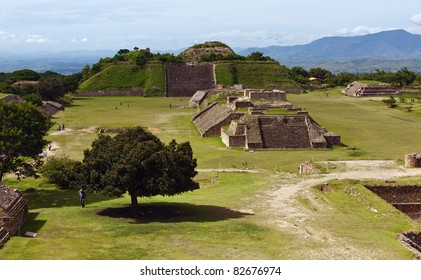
(228, 217)
(365, 123)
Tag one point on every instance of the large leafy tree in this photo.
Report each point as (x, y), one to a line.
(137, 162)
(22, 131)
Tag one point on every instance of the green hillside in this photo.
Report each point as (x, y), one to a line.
(254, 74)
(150, 78)
(145, 70)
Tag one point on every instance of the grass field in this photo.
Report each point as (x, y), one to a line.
(150, 78)
(228, 217)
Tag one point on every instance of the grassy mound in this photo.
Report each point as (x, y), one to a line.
(150, 78)
(269, 75)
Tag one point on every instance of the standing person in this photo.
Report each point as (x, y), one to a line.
(62, 126)
(82, 197)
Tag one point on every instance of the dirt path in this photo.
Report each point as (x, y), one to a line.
(381, 170)
(290, 216)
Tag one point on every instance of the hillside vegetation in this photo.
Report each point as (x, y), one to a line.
(269, 75)
(150, 78)
(145, 70)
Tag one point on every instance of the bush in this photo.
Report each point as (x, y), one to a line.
(63, 172)
(65, 100)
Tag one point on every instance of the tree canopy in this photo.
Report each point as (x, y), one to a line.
(137, 162)
(22, 131)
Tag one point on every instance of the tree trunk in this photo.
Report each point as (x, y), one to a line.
(135, 205)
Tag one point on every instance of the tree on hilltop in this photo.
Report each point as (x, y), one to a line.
(137, 162)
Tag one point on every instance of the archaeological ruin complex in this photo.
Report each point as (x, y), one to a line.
(260, 119)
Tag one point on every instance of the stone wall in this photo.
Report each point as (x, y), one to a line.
(136, 91)
(308, 169)
(185, 79)
(406, 198)
(413, 160)
(266, 95)
(284, 132)
(332, 139)
(13, 211)
(4, 236)
(232, 141)
(198, 98)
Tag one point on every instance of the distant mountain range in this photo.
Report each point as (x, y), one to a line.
(387, 50)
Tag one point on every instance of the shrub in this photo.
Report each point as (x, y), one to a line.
(63, 172)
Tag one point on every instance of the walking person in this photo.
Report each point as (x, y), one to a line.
(82, 197)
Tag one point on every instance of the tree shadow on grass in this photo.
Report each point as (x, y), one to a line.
(174, 213)
(58, 198)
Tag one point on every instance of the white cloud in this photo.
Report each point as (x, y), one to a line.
(416, 19)
(36, 39)
(75, 41)
(260, 38)
(7, 36)
(362, 30)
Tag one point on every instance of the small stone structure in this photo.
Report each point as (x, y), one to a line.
(210, 120)
(269, 95)
(12, 98)
(13, 212)
(358, 89)
(197, 98)
(307, 168)
(50, 107)
(413, 160)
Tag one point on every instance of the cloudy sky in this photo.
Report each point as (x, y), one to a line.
(61, 25)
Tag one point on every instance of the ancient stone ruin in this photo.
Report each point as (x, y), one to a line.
(239, 94)
(185, 79)
(210, 120)
(307, 168)
(413, 239)
(50, 107)
(406, 198)
(12, 98)
(268, 95)
(244, 122)
(278, 132)
(413, 160)
(13, 212)
(357, 89)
